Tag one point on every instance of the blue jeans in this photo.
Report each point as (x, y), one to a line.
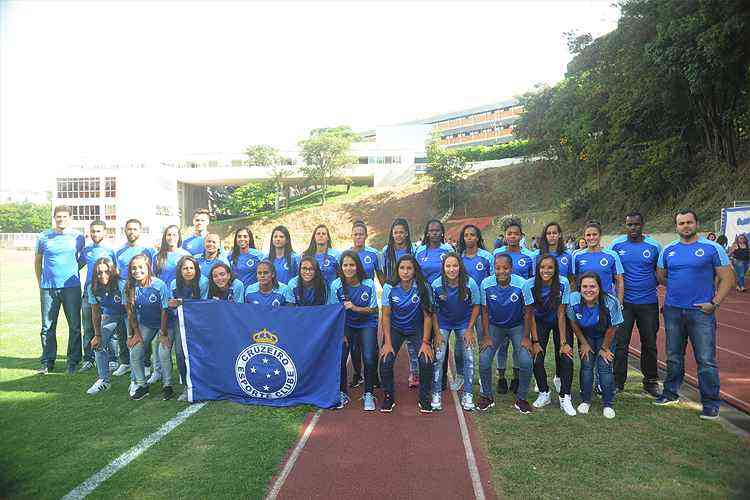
(50, 300)
(501, 337)
(368, 339)
(502, 356)
(425, 367)
(604, 370)
(101, 353)
(683, 324)
(740, 269)
(458, 354)
(165, 356)
(138, 354)
(468, 355)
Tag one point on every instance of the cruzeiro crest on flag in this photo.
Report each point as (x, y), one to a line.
(264, 370)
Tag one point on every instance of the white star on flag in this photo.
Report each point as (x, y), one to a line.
(268, 375)
(252, 369)
(266, 388)
(265, 361)
(276, 372)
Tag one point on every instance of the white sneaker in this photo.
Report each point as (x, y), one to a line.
(458, 383)
(608, 412)
(567, 406)
(583, 408)
(183, 397)
(437, 402)
(556, 382)
(542, 400)
(99, 386)
(467, 401)
(154, 378)
(369, 401)
(121, 370)
(132, 388)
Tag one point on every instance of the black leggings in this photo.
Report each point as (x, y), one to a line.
(563, 367)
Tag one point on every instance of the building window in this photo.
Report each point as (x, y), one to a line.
(78, 187)
(110, 187)
(110, 212)
(163, 210)
(85, 212)
(362, 160)
(111, 232)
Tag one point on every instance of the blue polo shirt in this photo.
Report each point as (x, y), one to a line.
(110, 303)
(169, 272)
(60, 255)
(245, 266)
(691, 271)
(150, 301)
(93, 252)
(431, 260)
(505, 304)
(639, 265)
(480, 266)
(362, 295)
(126, 253)
(304, 296)
(236, 293)
(206, 264)
(454, 313)
(545, 312)
(523, 261)
(279, 296)
(405, 306)
(605, 263)
(371, 261)
(588, 317)
(398, 253)
(284, 273)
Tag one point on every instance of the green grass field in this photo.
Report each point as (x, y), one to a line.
(55, 436)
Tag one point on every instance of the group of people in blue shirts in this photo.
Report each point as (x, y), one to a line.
(488, 300)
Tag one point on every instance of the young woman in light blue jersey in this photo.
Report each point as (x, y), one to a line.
(222, 285)
(309, 288)
(601, 261)
(321, 247)
(107, 314)
(456, 300)
(594, 316)
(146, 301)
(359, 297)
(407, 314)
(245, 257)
(189, 284)
(211, 254)
(267, 291)
(282, 256)
(507, 319)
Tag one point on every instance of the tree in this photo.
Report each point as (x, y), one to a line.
(268, 156)
(250, 198)
(325, 153)
(24, 217)
(447, 169)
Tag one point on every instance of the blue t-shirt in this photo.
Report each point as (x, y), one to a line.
(194, 244)
(169, 272)
(150, 301)
(206, 264)
(279, 296)
(523, 261)
(329, 265)
(639, 265)
(371, 261)
(362, 295)
(691, 271)
(605, 263)
(111, 303)
(480, 266)
(431, 260)
(283, 273)
(454, 313)
(304, 296)
(564, 262)
(505, 304)
(60, 255)
(236, 293)
(93, 252)
(398, 253)
(545, 312)
(189, 293)
(588, 317)
(245, 269)
(126, 253)
(406, 307)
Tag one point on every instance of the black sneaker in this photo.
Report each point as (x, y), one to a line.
(356, 381)
(652, 390)
(167, 393)
(388, 404)
(502, 386)
(710, 413)
(514, 385)
(523, 406)
(424, 406)
(140, 393)
(484, 403)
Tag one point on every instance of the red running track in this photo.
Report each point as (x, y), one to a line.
(403, 454)
(732, 350)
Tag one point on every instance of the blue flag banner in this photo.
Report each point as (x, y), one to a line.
(252, 354)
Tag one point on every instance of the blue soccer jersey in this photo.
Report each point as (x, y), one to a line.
(546, 312)
(235, 294)
(168, 271)
(150, 301)
(188, 293)
(639, 265)
(194, 244)
(564, 262)
(206, 264)
(244, 267)
(398, 253)
(691, 271)
(329, 265)
(505, 304)
(405, 305)
(285, 272)
(93, 252)
(111, 303)
(480, 266)
(523, 261)
(126, 253)
(279, 296)
(431, 260)
(605, 263)
(587, 317)
(305, 296)
(453, 312)
(362, 295)
(371, 261)
(60, 255)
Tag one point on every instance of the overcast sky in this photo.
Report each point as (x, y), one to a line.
(145, 80)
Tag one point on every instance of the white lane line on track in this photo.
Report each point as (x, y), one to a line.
(89, 485)
(476, 480)
(293, 457)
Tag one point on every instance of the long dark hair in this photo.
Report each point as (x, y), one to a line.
(544, 244)
(312, 247)
(425, 237)
(114, 277)
(462, 241)
(422, 289)
(287, 247)
(236, 247)
(215, 291)
(553, 301)
(463, 277)
(361, 275)
(194, 284)
(271, 269)
(320, 295)
(390, 254)
(602, 299)
(161, 257)
(131, 284)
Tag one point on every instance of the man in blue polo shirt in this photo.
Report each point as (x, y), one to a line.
(56, 266)
(195, 242)
(638, 255)
(688, 267)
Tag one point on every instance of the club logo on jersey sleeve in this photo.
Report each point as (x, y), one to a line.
(514, 297)
(264, 370)
(700, 253)
(604, 262)
(646, 254)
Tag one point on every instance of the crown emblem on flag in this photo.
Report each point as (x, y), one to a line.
(265, 337)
